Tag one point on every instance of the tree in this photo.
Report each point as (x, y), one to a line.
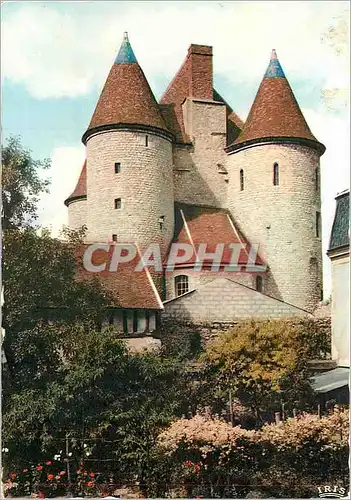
(39, 273)
(21, 184)
(264, 363)
(102, 395)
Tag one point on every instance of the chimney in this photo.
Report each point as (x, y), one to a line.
(201, 72)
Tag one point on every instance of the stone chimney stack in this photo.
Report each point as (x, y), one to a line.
(201, 72)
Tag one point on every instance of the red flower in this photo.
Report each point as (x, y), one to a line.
(187, 463)
(13, 475)
(62, 473)
(50, 476)
(90, 483)
(25, 470)
(91, 474)
(48, 462)
(39, 467)
(197, 469)
(41, 494)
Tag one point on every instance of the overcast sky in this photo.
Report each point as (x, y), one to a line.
(56, 56)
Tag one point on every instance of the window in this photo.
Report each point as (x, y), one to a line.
(181, 285)
(259, 283)
(146, 140)
(117, 168)
(317, 179)
(276, 174)
(118, 203)
(161, 221)
(241, 180)
(114, 237)
(318, 224)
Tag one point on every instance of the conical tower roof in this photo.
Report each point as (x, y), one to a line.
(275, 113)
(126, 98)
(80, 191)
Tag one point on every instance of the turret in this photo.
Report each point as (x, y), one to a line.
(77, 202)
(129, 160)
(274, 190)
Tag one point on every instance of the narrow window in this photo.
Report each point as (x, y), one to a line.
(161, 221)
(318, 224)
(114, 237)
(259, 283)
(125, 322)
(181, 285)
(117, 168)
(317, 180)
(241, 180)
(146, 140)
(135, 320)
(276, 174)
(118, 203)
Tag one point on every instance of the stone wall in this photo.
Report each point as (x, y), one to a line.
(198, 169)
(210, 331)
(281, 219)
(144, 184)
(77, 214)
(197, 279)
(223, 300)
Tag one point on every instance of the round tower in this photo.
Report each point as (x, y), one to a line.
(129, 161)
(274, 191)
(77, 202)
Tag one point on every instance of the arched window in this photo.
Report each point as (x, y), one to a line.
(241, 180)
(181, 284)
(259, 283)
(276, 174)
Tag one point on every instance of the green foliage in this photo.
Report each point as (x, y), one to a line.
(180, 341)
(39, 275)
(264, 363)
(101, 394)
(22, 182)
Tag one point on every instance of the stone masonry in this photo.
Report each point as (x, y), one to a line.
(191, 149)
(281, 219)
(223, 300)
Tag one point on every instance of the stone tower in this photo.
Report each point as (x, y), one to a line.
(274, 190)
(129, 184)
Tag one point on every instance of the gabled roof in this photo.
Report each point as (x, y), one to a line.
(126, 98)
(198, 224)
(129, 289)
(275, 113)
(80, 191)
(340, 233)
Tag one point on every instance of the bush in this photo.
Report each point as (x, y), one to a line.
(286, 460)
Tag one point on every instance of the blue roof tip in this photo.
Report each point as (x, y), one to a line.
(274, 69)
(125, 54)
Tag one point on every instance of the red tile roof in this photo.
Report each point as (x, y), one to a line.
(126, 99)
(128, 288)
(275, 112)
(210, 226)
(80, 191)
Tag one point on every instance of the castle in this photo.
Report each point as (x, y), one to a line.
(188, 170)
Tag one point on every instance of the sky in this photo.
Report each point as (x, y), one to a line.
(55, 57)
